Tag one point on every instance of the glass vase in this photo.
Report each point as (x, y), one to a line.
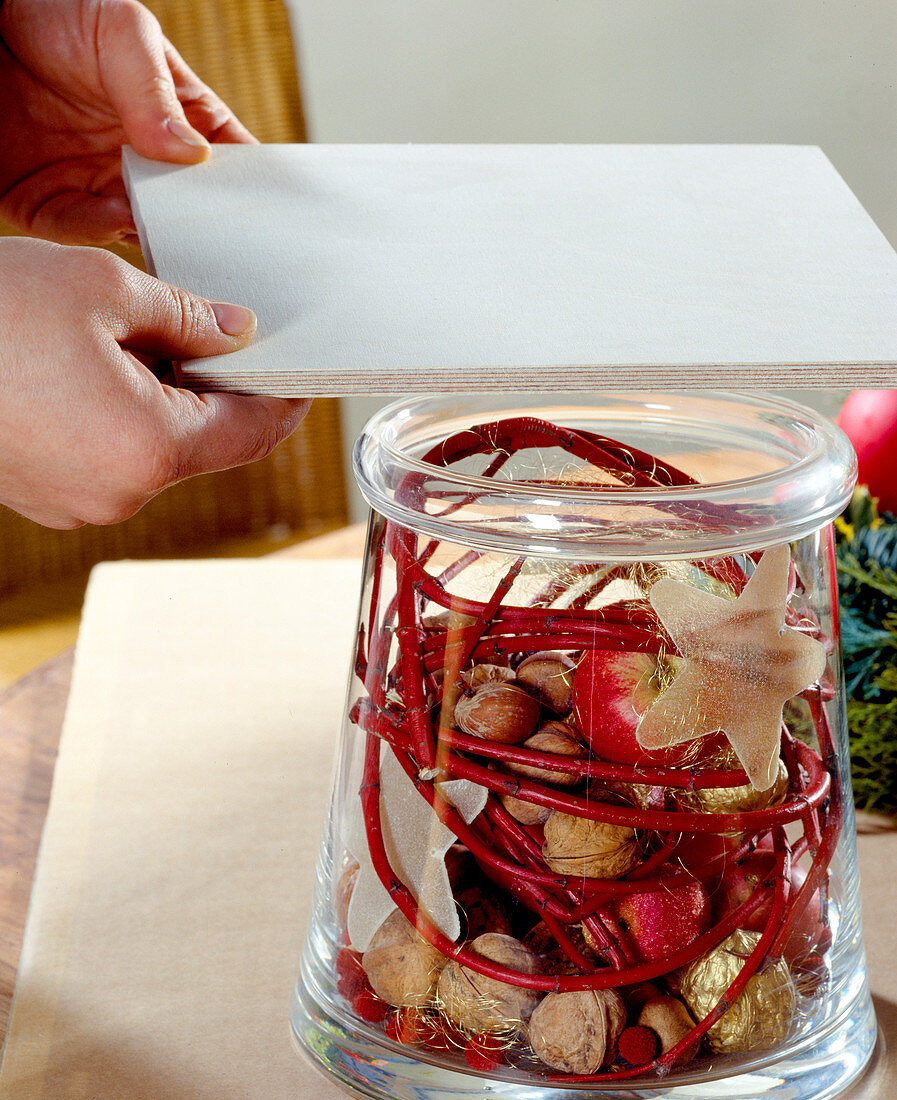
(591, 827)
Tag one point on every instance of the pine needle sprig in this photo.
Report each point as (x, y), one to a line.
(867, 582)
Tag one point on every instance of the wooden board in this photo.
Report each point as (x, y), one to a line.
(396, 269)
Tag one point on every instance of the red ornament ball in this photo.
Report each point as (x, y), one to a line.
(368, 1006)
(484, 1052)
(869, 419)
(637, 1045)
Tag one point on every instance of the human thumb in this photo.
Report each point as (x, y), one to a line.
(210, 431)
(139, 83)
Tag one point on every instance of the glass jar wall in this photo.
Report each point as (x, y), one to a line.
(591, 827)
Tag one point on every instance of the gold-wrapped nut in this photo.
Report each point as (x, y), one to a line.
(498, 712)
(548, 677)
(527, 813)
(733, 800)
(401, 966)
(554, 737)
(670, 1021)
(581, 847)
(760, 1017)
(476, 1003)
(576, 1032)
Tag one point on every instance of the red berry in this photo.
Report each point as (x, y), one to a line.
(637, 1045)
(352, 978)
(409, 1025)
(368, 1006)
(484, 1052)
(348, 965)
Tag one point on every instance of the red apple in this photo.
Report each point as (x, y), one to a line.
(654, 925)
(696, 850)
(740, 880)
(611, 691)
(869, 419)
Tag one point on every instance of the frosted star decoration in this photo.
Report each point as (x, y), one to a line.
(741, 665)
(416, 842)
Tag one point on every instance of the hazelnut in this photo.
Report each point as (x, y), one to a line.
(548, 677)
(460, 864)
(527, 813)
(634, 996)
(557, 738)
(622, 792)
(476, 1003)
(554, 959)
(482, 912)
(401, 966)
(446, 620)
(670, 1021)
(342, 895)
(498, 712)
(486, 674)
(579, 847)
(577, 1032)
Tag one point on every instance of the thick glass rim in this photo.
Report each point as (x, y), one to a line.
(811, 482)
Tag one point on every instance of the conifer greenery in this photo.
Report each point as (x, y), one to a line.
(867, 582)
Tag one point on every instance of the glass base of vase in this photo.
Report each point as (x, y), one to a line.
(368, 1063)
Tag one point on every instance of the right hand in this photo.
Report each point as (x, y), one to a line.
(89, 433)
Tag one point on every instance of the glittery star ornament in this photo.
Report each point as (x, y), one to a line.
(741, 665)
(416, 842)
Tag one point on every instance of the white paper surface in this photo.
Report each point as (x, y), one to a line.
(388, 268)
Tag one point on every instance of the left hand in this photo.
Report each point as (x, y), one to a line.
(78, 78)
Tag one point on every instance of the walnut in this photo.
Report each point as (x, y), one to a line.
(580, 847)
(476, 1003)
(549, 678)
(577, 1032)
(498, 712)
(557, 738)
(527, 813)
(401, 966)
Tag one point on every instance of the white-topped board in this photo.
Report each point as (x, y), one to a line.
(405, 268)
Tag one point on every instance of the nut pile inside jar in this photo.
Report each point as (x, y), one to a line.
(595, 807)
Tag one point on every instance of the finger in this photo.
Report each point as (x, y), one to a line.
(206, 112)
(139, 83)
(78, 218)
(147, 315)
(215, 431)
(79, 201)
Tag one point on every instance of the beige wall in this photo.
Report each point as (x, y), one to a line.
(819, 72)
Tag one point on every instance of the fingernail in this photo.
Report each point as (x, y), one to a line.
(233, 320)
(184, 132)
